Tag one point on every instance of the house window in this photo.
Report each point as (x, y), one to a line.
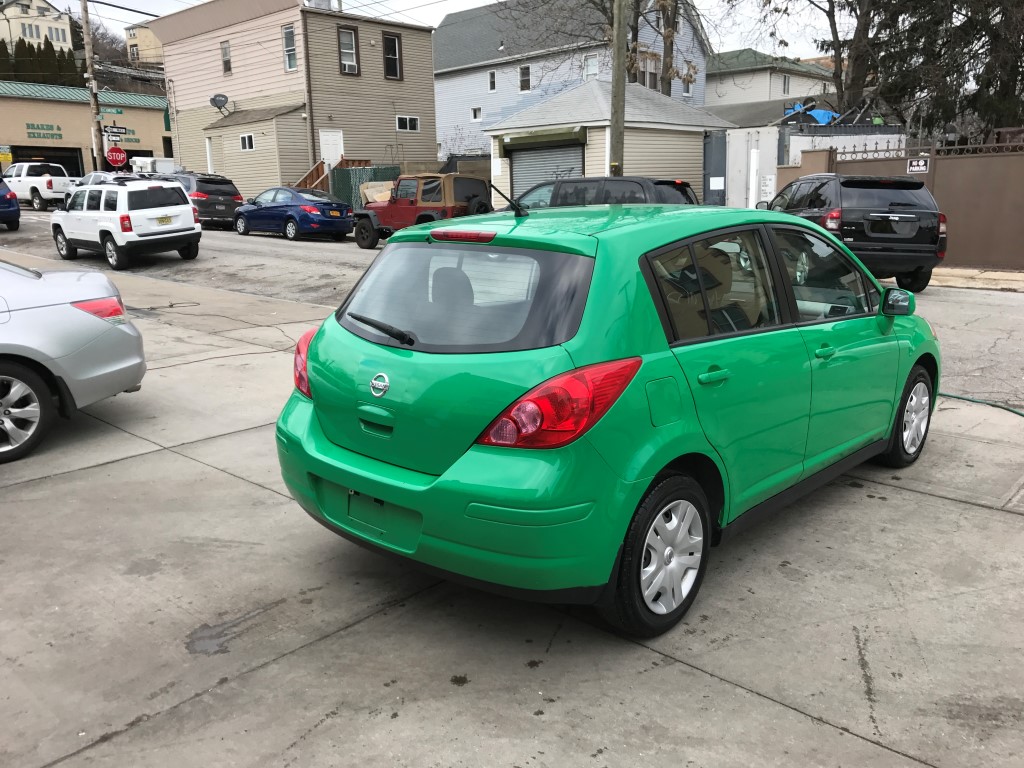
(785, 85)
(687, 84)
(133, 52)
(407, 123)
(590, 66)
(492, 80)
(477, 113)
(392, 56)
(288, 41)
(246, 143)
(131, 33)
(41, 10)
(225, 56)
(650, 72)
(524, 78)
(348, 50)
(24, 8)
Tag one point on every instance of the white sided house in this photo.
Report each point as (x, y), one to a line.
(487, 68)
(746, 75)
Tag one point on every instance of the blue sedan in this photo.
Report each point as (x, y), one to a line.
(295, 213)
(10, 210)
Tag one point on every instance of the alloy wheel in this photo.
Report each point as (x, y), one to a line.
(291, 230)
(62, 244)
(19, 413)
(672, 556)
(915, 418)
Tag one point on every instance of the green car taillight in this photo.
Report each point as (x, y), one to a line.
(301, 355)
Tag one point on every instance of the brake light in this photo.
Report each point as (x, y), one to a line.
(310, 208)
(561, 409)
(12, 195)
(199, 195)
(301, 377)
(832, 220)
(462, 236)
(942, 223)
(238, 199)
(110, 309)
(49, 183)
(126, 222)
(195, 215)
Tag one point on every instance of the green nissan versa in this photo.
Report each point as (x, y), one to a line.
(575, 405)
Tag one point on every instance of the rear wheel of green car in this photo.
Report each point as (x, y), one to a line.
(913, 417)
(664, 558)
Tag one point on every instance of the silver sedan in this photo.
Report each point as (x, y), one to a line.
(65, 343)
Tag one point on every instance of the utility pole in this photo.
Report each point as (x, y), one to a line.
(618, 116)
(94, 99)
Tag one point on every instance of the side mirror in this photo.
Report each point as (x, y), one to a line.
(896, 302)
(762, 205)
(251, 201)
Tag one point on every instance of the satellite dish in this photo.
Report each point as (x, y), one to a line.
(219, 100)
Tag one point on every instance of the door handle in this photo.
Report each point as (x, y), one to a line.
(718, 374)
(824, 352)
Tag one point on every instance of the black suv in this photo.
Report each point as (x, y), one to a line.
(891, 223)
(607, 190)
(215, 197)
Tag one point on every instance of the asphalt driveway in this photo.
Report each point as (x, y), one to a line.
(164, 603)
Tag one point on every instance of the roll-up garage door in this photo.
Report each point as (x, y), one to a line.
(532, 166)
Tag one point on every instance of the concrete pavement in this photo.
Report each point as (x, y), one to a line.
(164, 603)
(986, 279)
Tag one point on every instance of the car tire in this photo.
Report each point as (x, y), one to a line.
(34, 405)
(116, 257)
(915, 281)
(14, 226)
(477, 205)
(241, 225)
(189, 252)
(672, 517)
(291, 229)
(339, 236)
(367, 235)
(38, 204)
(65, 250)
(913, 418)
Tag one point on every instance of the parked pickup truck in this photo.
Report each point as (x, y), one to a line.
(42, 184)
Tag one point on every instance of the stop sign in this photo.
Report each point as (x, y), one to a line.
(117, 156)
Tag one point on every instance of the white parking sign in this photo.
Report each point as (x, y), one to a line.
(918, 164)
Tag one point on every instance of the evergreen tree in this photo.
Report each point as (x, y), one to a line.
(49, 71)
(6, 65)
(67, 68)
(24, 65)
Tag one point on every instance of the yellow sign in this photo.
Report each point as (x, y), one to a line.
(6, 157)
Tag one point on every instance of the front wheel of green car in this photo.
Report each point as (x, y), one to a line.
(913, 417)
(664, 558)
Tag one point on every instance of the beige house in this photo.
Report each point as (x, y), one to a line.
(143, 45)
(569, 135)
(746, 75)
(34, 21)
(299, 84)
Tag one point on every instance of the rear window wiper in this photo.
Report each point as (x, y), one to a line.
(904, 205)
(402, 337)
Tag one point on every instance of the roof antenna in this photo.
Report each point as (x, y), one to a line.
(519, 209)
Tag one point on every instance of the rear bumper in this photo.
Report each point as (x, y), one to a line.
(112, 363)
(10, 214)
(163, 243)
(889, 262)
(326, 225)
(541, 524)
(226, 216)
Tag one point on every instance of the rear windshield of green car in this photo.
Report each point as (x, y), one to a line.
(462, 298)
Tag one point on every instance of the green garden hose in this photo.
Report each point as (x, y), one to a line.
(982, 402)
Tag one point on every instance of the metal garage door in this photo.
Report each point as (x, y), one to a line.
(532, 166)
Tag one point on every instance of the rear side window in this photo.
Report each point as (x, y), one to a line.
(92, 202)
(675, 194)
(45, 169)
(619, 191)
(156, 197)
(821, 195)
(431, 192)
(110, 200)
(461, 298)
(886, 194)
(465, 188)
(216, 187)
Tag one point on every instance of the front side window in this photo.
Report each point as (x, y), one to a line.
(11, 172)
(92, 202)
(524, 78)
(77, 201)
(110, 200)
(225, 57)
(246, 142)
(826, 285)
(348, 50)
(265, 198)
(590, 66)
(431, 192)
(821, 194)
(407, 123)
(406, 189)
(288, 42)
(392, 56)
(538, 197)
(459, 298)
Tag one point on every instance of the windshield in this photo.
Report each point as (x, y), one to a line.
(886, 194)
(461, 298)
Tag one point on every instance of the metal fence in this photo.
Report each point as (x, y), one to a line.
(345, 181)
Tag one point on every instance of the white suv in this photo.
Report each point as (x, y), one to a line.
(123, 217)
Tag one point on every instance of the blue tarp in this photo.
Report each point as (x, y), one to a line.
(823, 116)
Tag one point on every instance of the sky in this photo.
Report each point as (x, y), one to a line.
(727, 29)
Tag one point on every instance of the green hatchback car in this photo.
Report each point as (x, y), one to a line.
(575, 405)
